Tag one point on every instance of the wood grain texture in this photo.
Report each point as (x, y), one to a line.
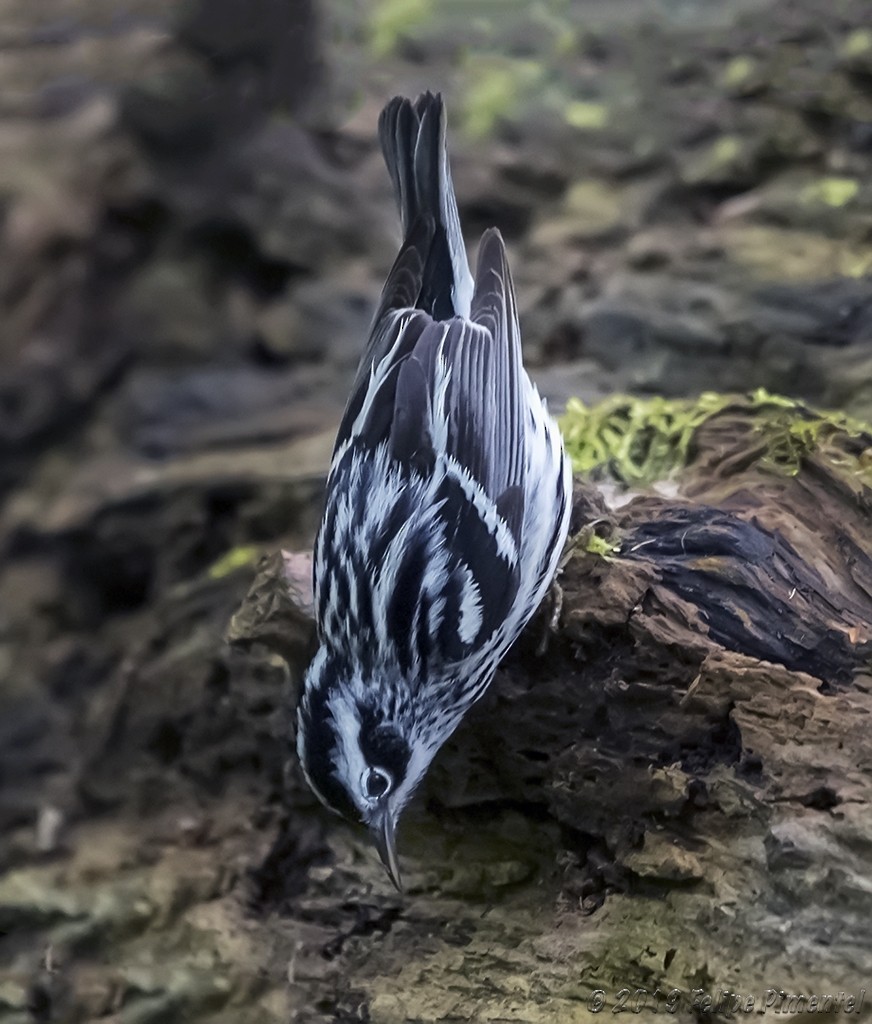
(677, 795)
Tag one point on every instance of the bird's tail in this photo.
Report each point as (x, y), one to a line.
(412, 137)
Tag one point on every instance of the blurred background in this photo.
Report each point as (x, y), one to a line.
(195, 222)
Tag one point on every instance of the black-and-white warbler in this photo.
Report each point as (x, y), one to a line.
(447, 505)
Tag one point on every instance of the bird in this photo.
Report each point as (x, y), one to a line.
(447, 503)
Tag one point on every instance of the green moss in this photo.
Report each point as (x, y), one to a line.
(793, 432)
(785, 254)
(392, 20)
(722, 161)
(243, 557)
(738, 71)
(743, 76)
(585, 115)
(638, 441)
(494, 89)
(592, 208)
(565, 41)
(857, 44)
(633, 439)
(830, 192)
(596, 545)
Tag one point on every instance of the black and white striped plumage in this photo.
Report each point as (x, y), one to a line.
(447, 505)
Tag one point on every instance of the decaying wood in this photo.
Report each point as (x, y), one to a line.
(676, 796)
(189, 272)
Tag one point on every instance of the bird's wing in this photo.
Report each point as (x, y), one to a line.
(460, 391)
(395, 330)
(430, 273)
(451, 393)
(454, 392)
(452, 387)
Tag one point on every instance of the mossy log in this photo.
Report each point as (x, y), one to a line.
(672, 802)
(675, 798)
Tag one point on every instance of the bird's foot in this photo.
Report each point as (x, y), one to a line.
(555, 598)
(555, 595)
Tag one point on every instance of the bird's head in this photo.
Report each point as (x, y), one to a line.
(362, 749)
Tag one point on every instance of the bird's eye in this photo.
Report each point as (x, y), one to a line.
(376, 783)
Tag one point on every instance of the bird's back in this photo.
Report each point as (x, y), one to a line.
(445, 451)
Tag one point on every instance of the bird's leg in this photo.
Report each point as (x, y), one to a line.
(555, 596)
(568, 551)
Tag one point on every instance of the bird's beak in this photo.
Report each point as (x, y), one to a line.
(386, 844)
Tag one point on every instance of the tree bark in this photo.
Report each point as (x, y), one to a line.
(674, 799)
(670, 804)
